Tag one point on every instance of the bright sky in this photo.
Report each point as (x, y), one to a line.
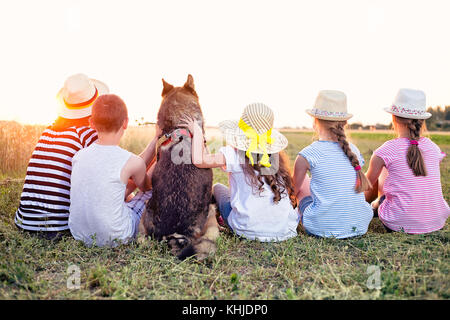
(277, 52)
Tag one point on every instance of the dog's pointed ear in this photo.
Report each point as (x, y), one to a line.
(167, 87)
(190, 83)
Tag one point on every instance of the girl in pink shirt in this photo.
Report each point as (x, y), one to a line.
(407, 170)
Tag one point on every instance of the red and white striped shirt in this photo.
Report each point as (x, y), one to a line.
(413, 204)
(45, 201)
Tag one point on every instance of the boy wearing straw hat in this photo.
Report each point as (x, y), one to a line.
(45, 200)
(260, 203)
(332, 202)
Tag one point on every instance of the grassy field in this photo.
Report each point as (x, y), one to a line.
(411, 266)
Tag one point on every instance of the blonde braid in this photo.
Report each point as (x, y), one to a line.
(362, 183)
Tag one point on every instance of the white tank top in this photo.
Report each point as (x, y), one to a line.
(98, 214)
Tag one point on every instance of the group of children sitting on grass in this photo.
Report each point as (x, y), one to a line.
(79, 179)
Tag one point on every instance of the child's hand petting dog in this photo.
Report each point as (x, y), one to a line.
(190, 123)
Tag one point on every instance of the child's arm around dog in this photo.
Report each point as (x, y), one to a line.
(135, 169)
(201, 158)
(149, 158)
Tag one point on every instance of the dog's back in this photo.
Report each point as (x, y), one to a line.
(181, 192)
(181, 195)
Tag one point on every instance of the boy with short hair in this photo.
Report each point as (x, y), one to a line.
(99, 214)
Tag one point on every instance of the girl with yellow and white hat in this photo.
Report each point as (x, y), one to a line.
(260, 202)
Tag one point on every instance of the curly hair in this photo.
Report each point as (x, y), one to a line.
(280, 182)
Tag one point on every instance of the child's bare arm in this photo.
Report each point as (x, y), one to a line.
(149, 153)
(150, 172)
(131, 186)
(301, 166)
(135, 169)
(201, 158)
(375, 167)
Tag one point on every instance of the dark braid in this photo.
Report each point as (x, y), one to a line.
(337, 128)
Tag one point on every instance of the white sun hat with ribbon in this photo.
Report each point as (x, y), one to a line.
(78, 95)
(254, 133)
(330, 105)
(410, 104)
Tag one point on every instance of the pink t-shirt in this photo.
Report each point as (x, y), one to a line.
(413, 204)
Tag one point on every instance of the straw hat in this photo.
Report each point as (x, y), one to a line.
(77, 96)
(260, 118)
(330, 105)
(410, 104)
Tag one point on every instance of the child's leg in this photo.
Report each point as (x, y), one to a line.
(137, 205)
(222, 196)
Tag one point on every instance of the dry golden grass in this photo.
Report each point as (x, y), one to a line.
(16, 145)
(17, 142)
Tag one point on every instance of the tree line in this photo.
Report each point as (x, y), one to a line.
(439, 121)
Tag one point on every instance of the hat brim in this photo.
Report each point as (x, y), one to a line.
(235, 137)
(101, 87)
(330, 118)
(424, 116)
(68, 113)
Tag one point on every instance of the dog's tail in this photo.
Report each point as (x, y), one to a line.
(205, 245)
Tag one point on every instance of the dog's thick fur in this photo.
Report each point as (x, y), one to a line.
(180, 210)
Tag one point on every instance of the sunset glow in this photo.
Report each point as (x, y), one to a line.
(280, 53)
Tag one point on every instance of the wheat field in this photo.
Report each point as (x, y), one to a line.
(304, 267)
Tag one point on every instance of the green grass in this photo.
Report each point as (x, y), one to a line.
(412, 266)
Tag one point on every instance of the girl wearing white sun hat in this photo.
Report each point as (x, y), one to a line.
(407, 170)
(332, 203)
(260, 203)
(45, 200)
(409, 104)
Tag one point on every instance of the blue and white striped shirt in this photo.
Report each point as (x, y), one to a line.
(336, 210)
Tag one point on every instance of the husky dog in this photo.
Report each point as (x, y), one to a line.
(180, 210)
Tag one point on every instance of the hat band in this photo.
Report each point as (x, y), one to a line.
(82, 104)
(412, 112)
(257, 140)
(326, 113)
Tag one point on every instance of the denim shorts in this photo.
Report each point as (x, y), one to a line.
(304, 203)
(225, 210)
